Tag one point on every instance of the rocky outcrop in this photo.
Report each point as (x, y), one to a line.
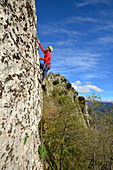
(60, 84)
(84, 109)
(20, 90)
(56, 84)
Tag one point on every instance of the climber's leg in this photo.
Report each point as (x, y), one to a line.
(44, 72)
(41, 66)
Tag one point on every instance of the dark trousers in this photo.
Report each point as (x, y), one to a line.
(45, 70)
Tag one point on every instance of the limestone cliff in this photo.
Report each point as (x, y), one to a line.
(64, 123)
(56, 84)
(60, 84)
(20, 90)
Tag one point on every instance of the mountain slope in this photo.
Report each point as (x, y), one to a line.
(71, 142)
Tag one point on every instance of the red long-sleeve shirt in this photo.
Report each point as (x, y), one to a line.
(47, 56)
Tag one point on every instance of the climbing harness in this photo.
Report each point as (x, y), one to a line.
(44, 66)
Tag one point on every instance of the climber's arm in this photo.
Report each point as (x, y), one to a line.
(44, 51)
(46, 59)
(42, 59)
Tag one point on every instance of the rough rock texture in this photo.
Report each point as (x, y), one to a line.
(58, 81)
(20, 90)
(84, 108)
(58, 84)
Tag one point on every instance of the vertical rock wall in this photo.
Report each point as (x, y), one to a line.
(20, 90)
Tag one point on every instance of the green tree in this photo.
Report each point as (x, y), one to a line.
(102, 134)
(65, 135)
(69, 142)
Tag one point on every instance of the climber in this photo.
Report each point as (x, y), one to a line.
(47, 59)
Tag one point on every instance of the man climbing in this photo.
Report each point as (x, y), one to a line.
(47, 59)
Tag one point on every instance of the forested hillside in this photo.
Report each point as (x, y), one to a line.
(74, 138)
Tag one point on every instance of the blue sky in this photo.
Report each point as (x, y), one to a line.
(81, 33)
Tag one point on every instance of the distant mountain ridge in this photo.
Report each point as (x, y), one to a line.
(108, 105)
(104, 106)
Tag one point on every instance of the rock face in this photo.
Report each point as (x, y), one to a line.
(20, 90)
(60, 84)
(84, 108)
(56, 84)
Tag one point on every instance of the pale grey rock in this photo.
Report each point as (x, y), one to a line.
(20, 90)
(62, 85)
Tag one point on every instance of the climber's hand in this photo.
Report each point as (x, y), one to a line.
(38, 41)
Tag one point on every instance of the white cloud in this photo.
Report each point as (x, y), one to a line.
(99, 73)
(81, 19)
(104, 26)
(105, 40)
(89, 82)
(91, 2)
(86, 88)
(57, 28)
(63, 27)
(76, 84)
(71, 62)
(73, 58)
(95, 88)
